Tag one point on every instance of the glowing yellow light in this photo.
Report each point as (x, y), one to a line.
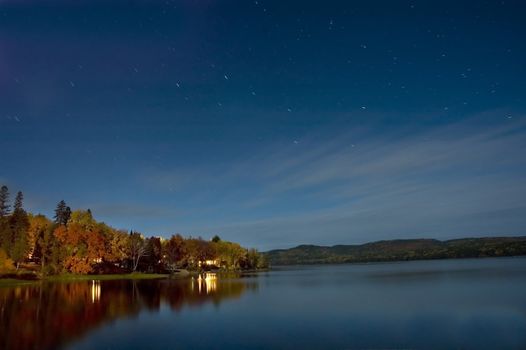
(207, 282)
(95, 291)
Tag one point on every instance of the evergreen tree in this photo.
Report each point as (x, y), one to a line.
(59, 211)
(62, 213)
(18, 201)
(5, 232)
(50, 251)
(67, 216)
(4, 199)
(19, 225)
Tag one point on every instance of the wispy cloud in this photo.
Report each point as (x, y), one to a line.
(361, 185)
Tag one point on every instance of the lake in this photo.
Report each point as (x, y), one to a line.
(469, 304)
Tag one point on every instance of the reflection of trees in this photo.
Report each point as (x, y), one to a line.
(49, 315)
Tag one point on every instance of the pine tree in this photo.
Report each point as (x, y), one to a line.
(18, 201)
(62, 213)
(67, 215)
(5, 232)
(51, 252)
(4, 199)
(19, 225)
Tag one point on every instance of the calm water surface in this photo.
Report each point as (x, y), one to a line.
(470, 304)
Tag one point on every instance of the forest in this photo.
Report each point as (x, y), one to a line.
(400, 250)
(74, 242)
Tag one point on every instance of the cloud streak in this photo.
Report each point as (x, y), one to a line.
(355, 186)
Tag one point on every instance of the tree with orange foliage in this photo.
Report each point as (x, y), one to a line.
(83, 242)
(118, 242)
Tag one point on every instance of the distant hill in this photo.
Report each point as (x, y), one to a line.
(399, 250)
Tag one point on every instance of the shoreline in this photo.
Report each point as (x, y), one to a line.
(277, 265)
(11, 279)
(14, 279)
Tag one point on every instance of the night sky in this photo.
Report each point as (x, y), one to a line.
(269, 123)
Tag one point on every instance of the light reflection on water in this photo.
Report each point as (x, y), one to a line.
(51, 315)
(206, 282)
(428, 304)
(95, 291)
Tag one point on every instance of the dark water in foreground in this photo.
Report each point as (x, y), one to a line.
(428, 304)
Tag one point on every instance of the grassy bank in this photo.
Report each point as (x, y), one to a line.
(26, 278)
(11, 280)
(122, 276)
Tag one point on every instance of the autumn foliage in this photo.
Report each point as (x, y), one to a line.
(74, 242)
(84, 247)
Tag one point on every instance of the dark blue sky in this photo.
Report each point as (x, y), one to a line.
(270, 123)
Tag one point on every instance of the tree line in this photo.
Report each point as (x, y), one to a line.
(400, 250)
(74, 242)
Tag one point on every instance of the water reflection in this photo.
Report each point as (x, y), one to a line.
(95, 291)
(455, 304)
(206, 282)
(50, 315)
